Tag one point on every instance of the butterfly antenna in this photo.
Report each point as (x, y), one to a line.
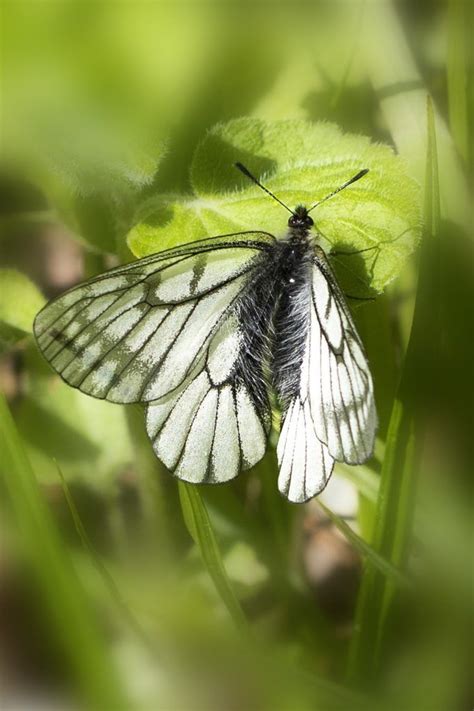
(249, 175)
(359, 175)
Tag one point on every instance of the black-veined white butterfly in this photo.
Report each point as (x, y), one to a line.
(204, 332)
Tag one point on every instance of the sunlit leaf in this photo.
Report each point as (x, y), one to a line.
(301, 162)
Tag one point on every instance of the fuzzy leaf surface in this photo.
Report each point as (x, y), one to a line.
(301, 162)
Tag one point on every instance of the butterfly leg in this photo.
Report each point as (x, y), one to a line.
(359, 298)
(337, 252)
(349, 253)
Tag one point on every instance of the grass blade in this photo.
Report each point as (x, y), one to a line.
(395, 499)
(457, 74)
(391, 528)
(104, 573)
(199, 526)
(382, 565)
(61, 590)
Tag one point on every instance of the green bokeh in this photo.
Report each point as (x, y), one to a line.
(121, 122)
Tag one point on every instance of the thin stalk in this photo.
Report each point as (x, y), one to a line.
(366, 550)
(200, 529)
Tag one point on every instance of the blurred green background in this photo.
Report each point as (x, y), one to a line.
(119, 589)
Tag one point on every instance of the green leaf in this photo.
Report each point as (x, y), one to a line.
(301, 162)
(432, 207)
(244, 568)
(100, 213)
(199, 526)
(20, 301)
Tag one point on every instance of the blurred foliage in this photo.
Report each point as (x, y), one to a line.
(121, 122)
(20, 301)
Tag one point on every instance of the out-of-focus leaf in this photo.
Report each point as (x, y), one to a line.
(99, 208)
(301, 162)
(88, 437)
(100, 566)
(20, 301)
(244, 568)
(402, 102)
(364, 479)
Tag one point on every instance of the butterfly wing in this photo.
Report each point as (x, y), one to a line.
(329, 411)
(305, 462)
(214, 425)
(218, 421)
(175, 330)
(303, 457)
(342, 397)
(134, 333)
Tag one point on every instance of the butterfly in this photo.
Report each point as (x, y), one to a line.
(208, 334)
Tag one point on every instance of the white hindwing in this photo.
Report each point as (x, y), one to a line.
(211, 428)
(332, 417)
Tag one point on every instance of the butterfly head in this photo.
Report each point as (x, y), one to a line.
(300, 219)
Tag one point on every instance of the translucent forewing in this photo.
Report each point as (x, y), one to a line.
(134, 333)
(172, 330)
